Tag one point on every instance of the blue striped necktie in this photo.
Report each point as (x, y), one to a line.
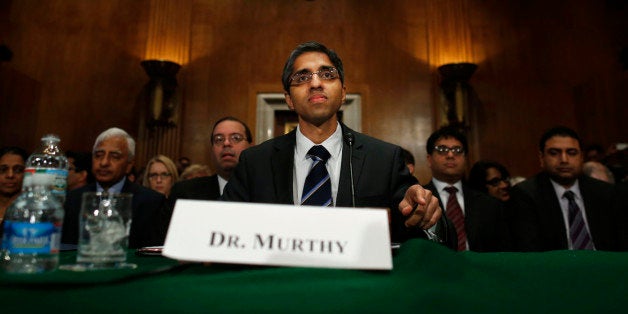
(578, 231)
(317, 188)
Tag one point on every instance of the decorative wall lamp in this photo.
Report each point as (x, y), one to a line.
(457, 94)
(161, 93)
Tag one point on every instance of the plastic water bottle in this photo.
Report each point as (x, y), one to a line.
(49, 163)
(32, 230)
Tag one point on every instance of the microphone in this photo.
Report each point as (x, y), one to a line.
(349, 138)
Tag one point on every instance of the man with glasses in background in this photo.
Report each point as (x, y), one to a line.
(324, 163)
(477, 221)
(229, 138)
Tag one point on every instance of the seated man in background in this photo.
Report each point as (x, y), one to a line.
(598, 171)
(560, 208)
(477, 219)
(112, 159)
(229, 138)
(80, 170)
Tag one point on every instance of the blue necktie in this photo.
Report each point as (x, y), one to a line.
(578, 231)
(317, 188)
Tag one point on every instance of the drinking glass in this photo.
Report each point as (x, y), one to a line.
(105, 222)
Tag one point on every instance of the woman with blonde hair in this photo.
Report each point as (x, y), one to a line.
(160, 174)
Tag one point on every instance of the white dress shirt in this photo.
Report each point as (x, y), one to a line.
(564, 205)
(302, 164)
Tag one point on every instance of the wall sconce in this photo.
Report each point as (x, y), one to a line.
(161, 92)
(457, 93)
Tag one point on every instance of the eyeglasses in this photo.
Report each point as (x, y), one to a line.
(497, 181)
(326, 74)
(163, 175)
(235, 138)
(444, 150)
(17, 169)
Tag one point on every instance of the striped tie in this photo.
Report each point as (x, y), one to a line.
(454, 213)
(578, 231)
(317, 188)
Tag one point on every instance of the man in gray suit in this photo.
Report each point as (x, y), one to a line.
(359, 170)
(560, 208)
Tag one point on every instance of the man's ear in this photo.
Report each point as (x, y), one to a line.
(289, 101)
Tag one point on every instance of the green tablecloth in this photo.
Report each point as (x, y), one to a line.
(426, 278)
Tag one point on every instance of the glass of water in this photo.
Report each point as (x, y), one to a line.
(105, 222)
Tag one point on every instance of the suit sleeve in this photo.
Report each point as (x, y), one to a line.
(237, 189)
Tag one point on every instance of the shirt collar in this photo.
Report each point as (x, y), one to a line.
(440, 186)
(333, 143)
(116, 188)
(560, 190)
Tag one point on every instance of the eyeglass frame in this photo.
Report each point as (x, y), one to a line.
(443, 150)
(235, 138)
(310, 75)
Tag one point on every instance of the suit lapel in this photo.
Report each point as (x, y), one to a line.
(283, 164)
(554, 226)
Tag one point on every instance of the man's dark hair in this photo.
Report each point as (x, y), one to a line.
(82, 162)
(311, 46)
(446, 132)
(247, 131)
(407, 156)
(558, 131)
(14, 150)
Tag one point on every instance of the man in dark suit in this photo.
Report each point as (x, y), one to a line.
(481, 224)
(560, 208)
(230, 137)
(278, 170)
(112, 159)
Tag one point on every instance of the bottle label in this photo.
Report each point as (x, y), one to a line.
(56, 179)
(29, 238)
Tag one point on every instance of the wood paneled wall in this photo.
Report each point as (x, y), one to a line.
(76, 71)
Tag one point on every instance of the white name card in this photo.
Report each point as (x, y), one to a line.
(279, 235)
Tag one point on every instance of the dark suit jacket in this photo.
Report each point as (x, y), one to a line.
(484, 221)
(146, 204)
(265, 171)
(537, 222)
(202, 188)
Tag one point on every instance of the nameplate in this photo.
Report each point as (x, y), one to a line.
(279, 235)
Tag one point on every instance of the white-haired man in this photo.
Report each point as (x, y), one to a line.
(112, 158)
